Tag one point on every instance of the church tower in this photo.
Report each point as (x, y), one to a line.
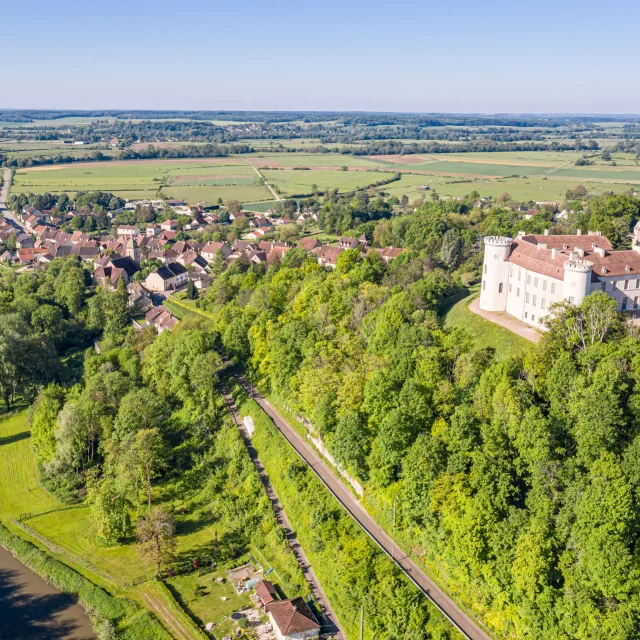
(132, 249)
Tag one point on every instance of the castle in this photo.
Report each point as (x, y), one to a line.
(526, 275)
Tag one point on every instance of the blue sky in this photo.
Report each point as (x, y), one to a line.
(454, 56)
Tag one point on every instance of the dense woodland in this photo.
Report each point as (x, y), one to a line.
(517, 478)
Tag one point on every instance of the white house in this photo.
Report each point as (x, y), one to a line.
(525, 276)
(167, 277)
(292, 620)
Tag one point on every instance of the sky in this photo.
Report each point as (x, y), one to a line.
(456, 56)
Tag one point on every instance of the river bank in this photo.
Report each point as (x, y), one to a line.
(34, 610)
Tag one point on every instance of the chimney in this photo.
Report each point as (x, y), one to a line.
(579, 251)
(553, 254)
(542, 245)
(546, 232)
(578, 232)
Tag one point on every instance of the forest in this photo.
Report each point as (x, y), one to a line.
(515, 478)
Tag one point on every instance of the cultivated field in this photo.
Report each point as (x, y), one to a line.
(194, 181)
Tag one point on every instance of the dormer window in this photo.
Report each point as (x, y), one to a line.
(627, 268)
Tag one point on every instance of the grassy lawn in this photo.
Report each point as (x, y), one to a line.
(19, 490)
(484, 333)
(206, 604)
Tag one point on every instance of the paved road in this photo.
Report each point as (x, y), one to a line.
(4, 194)
(469, 628)
(330, 626)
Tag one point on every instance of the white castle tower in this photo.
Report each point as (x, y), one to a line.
(577, 280)
(495, 273)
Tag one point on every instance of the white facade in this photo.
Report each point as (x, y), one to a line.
(528, 293)
(495, 273)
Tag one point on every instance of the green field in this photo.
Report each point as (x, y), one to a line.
(476, 168)
(193, 181)
(292, 182)
(484, 333)
(242, 193)
(311, 160)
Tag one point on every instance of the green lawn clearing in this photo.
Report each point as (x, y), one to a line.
(484, 333)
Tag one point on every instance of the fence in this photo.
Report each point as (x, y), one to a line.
(34, 514)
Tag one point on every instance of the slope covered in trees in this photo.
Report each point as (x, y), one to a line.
(518, 479)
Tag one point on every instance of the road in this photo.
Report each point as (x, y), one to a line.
(4, 194)
(330, 625)
(469, 628)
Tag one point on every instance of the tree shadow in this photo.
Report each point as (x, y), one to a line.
(16, 437)
(34, 616)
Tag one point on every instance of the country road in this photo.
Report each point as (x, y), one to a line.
(469, 628)
(331, 627)
(4, 194)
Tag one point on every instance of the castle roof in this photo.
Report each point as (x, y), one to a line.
(531, 253)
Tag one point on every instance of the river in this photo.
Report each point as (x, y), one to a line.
(30, 609)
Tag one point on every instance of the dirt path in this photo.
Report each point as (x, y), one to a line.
(471, 628)
(266, 184)
(507, 322)
(170, 621)
(330, 623)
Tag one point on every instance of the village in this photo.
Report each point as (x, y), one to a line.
(157, 259)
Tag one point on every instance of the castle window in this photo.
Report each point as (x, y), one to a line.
(635, 302)
(527, 297)
(529, 279)
(553, 287)
(535, 299)
(518, 292)
(572, 299)
(613, 285)
(637, 283)
(484, 285)
(544, 285)
(510, 287)
(543, 303)
(500, 288)
(519, 274)
(604, 286)
(535, 282)
(624, 303)
(485, 268)
(526, 315)
(533, 317)
(626, 285)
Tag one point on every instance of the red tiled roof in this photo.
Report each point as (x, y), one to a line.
(266, 592)
(292, 616)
